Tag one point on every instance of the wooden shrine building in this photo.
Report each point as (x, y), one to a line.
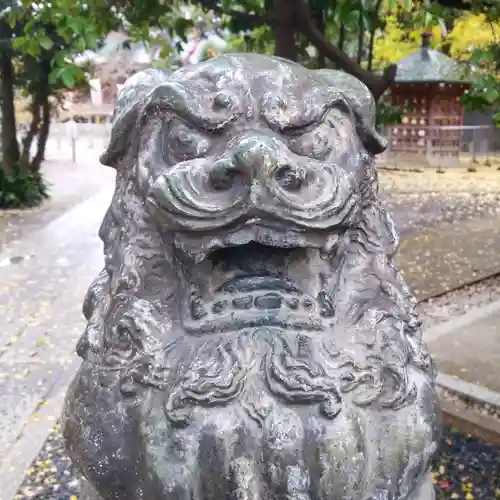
(428, 87)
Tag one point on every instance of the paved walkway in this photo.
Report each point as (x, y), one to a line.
(40, 306)
(467, 348)
(69, 184)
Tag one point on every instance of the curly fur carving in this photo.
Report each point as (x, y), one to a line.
(368, 351)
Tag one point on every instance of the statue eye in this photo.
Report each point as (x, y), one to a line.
(316, 144)
(182, 143)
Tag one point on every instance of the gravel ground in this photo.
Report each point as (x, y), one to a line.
(414, 212)
(423, 199)
(465, 469)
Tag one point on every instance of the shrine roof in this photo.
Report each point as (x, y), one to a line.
(427, 65)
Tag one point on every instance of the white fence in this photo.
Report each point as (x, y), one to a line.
(76, 142)
(80, 138)
(434, 144)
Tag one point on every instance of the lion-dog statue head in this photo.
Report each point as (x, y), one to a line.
(249, 337)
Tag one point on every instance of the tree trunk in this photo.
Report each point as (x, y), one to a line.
(32, 131)
(361, 34)
(43, 135)
(319, 17)
(341, 43)
(40, 121)
(374, 26)
(42, 115)
(284, 30)
(377, 84)
(10, 146)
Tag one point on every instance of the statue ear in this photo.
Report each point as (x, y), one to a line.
(129, 105)
(361, 101)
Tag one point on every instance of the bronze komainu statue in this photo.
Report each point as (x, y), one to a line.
(249, 337)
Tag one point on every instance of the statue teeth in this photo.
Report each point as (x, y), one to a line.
(218, 306)
(308, 304)
(264, 302)
(268, 301)
(292, 303)
(244, 302)
(197, 306)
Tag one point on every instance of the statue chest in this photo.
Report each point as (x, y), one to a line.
(293, 452)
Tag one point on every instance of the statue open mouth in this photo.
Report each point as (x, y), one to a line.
(272, 235)
(253, 291)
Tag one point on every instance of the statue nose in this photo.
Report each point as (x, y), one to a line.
(256, 157)
(222, 175)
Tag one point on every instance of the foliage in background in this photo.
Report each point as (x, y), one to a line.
(36, 56)
(472, 32)
(38, 46)
(317, 33)
(472, 36)
(17, 190)
(484, 60)
(484, 94)
(397, 41)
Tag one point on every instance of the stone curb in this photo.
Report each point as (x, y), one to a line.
(465, 390)
(467, 420)
(475, 314)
